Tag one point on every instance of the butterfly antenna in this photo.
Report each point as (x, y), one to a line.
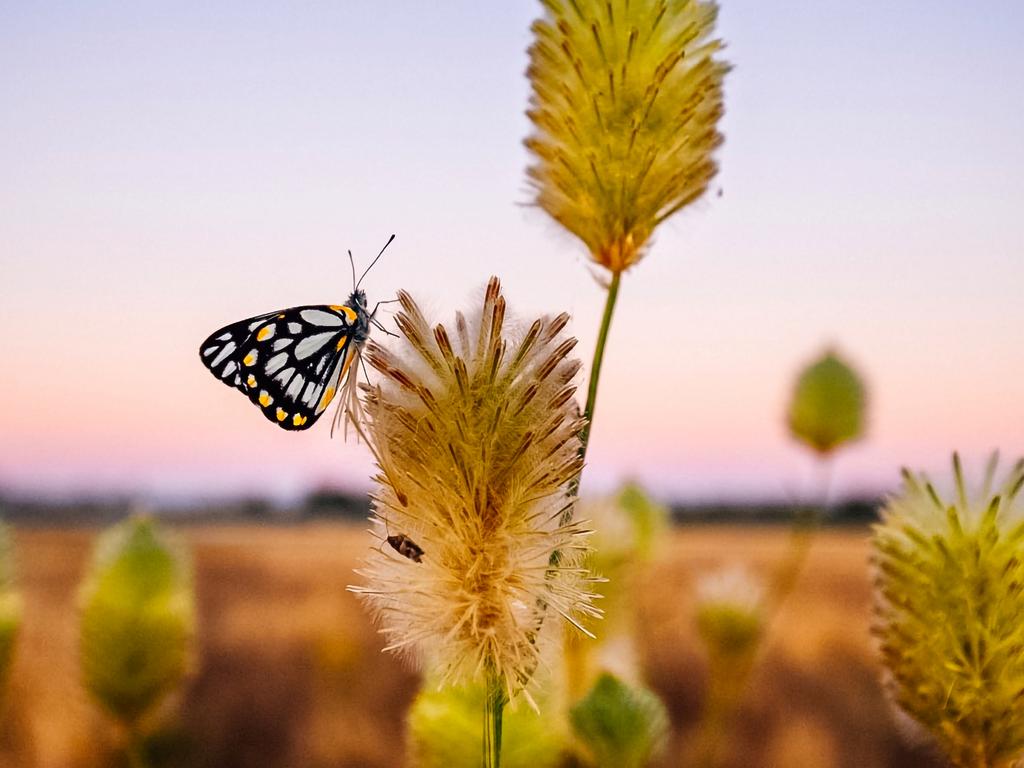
(352, 264)
(375, 260)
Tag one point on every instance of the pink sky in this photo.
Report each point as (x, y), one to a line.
(164, 176)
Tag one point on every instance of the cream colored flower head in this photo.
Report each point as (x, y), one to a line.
(474, 427)
(949, 603)
(627, 95)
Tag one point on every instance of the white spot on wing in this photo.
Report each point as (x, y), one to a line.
(294, 388)
(209, 351)
(224, 336)
(312, 344)
(312, 394)
(321, 318)
(294, 327)
(275, 363)
(255, 324)
(224, 353)
(228, 369)
(280, 344)
(283, 376)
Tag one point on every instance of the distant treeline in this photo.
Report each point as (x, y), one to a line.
(344, 505)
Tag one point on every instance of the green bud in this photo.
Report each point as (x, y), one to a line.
(828, 406)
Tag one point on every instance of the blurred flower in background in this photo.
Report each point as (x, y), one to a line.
(136, 622)
(10, 605)
(828, 406)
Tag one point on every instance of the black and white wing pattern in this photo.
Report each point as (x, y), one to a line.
(290, 363)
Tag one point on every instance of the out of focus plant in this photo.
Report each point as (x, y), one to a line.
(10, 605)
(949, 602)
(444, 731)
(626, 529)
(828, 405)
(621, 726)
(731, 620)
(475, 433)
(137, 621)
(828, 410)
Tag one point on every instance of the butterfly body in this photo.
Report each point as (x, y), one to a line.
(292, 363)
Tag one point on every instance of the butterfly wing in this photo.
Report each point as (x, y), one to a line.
(289, 363)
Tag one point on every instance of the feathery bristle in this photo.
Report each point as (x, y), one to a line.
(627, 95)
(475, 432)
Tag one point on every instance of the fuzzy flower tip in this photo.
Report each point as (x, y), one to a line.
(474, 429)
(626, 101)
(949, 597)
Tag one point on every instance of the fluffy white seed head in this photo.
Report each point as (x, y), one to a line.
(474, 427)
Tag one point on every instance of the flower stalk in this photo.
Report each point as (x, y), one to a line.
(494, 709)
(595, 368)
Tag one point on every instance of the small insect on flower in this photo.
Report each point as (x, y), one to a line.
(406, 547)
(291, 363)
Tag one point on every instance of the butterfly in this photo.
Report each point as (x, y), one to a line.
(294, 362)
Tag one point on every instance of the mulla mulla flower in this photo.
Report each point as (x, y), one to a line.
(626, 100)
(948, 606)
(475, 429)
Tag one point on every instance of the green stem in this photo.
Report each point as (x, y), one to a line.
(595, 368)
(494, 708)
(588, 414)
(134, 750)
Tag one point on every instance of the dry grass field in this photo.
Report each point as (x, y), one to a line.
(289, 672)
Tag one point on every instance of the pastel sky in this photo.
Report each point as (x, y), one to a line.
(168, 168)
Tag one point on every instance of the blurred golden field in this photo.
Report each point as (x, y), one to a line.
(289, 670)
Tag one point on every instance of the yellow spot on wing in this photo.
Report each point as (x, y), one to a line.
(281, 415)
(250, 359)
(265, 332)
(265, 399)
(298, 420)
(325, 400)
(251, 381)
(348, 312)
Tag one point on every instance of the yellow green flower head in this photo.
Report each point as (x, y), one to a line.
(474, 428)
(627, 95)
(828, 405)
(137, 614)
(949, 612)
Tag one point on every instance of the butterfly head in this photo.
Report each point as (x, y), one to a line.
(358, 300)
